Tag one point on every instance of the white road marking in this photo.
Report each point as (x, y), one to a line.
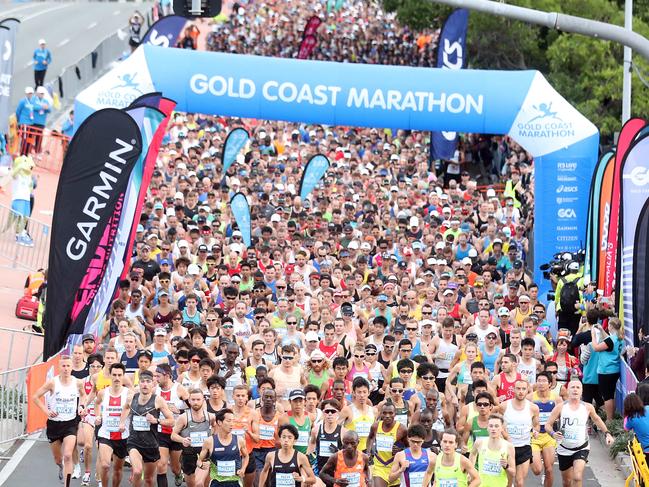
(23, 7)
(92, 26)
(48, 10)
(29, 63)
(63, 43)
(17, 457)
(116, 12)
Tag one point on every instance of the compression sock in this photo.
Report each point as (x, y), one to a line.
(162, 480)
(68, 477)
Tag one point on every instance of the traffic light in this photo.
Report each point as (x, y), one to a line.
(197, 8)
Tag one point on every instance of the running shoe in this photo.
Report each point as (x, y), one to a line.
(27, 241)
(76, 473)
(61, 473)
(81, 457)
(86, 479)
(178, 479)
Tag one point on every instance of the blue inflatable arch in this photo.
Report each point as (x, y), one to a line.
(521, 104)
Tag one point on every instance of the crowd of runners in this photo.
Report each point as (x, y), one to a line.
(384, 331)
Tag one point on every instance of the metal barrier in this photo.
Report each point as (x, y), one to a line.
(13, 404)
(47, 147)
(23, 348)
(29, 258)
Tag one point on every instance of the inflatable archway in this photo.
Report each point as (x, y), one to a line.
(521, 104)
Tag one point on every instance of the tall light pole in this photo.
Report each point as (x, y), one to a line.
(626, 77)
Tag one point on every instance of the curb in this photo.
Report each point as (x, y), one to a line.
(622, 460)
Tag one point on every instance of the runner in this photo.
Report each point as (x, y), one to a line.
(326, 437)
(63, 411)
(495, 456)
(414, 465)
(572, 436)
(191, 429)
(386, 438)
(227, 453)
(86, 436)
(265, 426)
(451, 468)
(359, 415)
(349, 467)
(242, 428)
(543, 446)
(299, 419)
(286, 466)
(145, 409)
(113, 427)
(522, 420)
(176, 396)
(505, 381)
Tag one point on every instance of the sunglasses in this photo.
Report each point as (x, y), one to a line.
(396, 391)
(287, 358)
(280, 287)
(491, 338)
(483, 404)
(228, 326)
(428, 377)
(316, 361)
(411, 329)
(405, 371)
(330, 411)
(426, 312)
(183, 362)
(359, 356)
(370, 354)
(291, 322)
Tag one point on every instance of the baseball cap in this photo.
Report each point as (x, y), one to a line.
(29, 90)
(524, 299)
(88, 337)
(382, 297)
(317, 354)
(160, 332)
(193, 270)
(41, 41)
(179, 196)
(564, 334)
(145, 353)
(399, 329)
(504, 311)
(347, 309)
(466, 260)
(139, 229)
(164, 261)
(312, 336)
(447, 292)
(296, 394)
(41, 89)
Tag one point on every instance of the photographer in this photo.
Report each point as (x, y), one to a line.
(568, 298)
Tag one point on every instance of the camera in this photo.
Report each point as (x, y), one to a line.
(563, 263)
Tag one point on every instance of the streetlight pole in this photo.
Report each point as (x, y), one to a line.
(626, 77)
(558, 21)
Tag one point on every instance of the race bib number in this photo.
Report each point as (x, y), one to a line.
(491, 467)
(354, 479)
(571, 434)
(416, 479)
(384, 443)
(226, 468)
(197, 437)
(302, 439)
(284, 480)
(363, 428)
(140, 423)
(327, 448)
(239, 433)
(517, 430)
(112, 424)
(266, 432)
(402, 418)
(447, 482)
(543, 417)
(64, 409)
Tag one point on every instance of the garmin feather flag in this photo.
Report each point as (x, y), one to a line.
(451, 52)
(241, 213)
(111, 261)
(236, 140)
(89, 201)
(165, 32)
(634, 184)
(314, 170)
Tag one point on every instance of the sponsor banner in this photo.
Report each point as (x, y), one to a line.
(640, 271)
(307, 46)
(564, 179)
(451, 54)
(592, 232)
(241, 213)
(236, 140)
(8, 31)
(90, 194)
(313, 172)
(165, 32)
(634, 185)
(611, 264)
(311, 27)
(114, 258)
(36, 377)
(604, 216)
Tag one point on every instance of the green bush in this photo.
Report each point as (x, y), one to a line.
(13, 402)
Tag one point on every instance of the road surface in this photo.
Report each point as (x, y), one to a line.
(71, 29)
(37, 468)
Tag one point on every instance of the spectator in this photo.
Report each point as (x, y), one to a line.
(610, 349)
(42, 59)
(636, 419)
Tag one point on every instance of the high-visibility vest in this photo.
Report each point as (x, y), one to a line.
(34, 282)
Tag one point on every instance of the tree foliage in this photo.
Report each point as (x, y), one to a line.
(586, 71)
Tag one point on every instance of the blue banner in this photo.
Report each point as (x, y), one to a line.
(313, 172)
(8, 31)
(165, 32)
(451, 54)
(237, 139)
(241, 213)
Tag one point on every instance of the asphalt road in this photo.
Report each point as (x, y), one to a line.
(71, 29)
(37, 468)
